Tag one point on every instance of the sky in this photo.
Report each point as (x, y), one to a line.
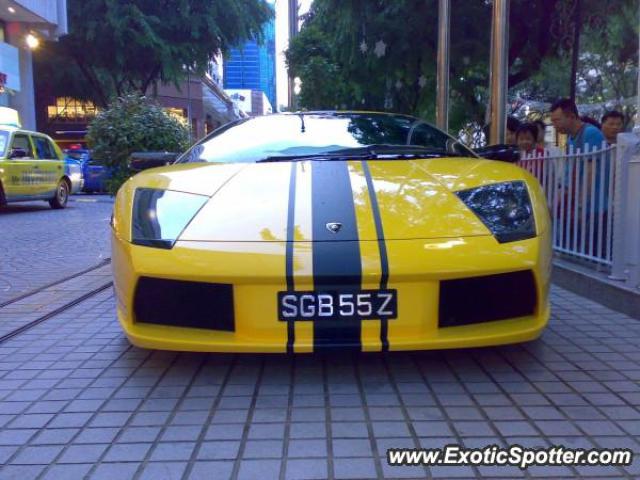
(282, 41)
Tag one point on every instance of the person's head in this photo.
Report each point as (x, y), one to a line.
(527, 136)
(512, 127)
(564, 116)
(590, 121)
(612, 125)
(542, 128)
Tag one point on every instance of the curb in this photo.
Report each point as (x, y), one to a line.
(596, 286)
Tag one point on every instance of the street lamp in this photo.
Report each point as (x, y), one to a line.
(32, 41)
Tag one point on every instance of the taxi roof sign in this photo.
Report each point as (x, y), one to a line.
(10, 116)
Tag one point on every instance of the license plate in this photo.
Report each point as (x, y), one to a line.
(338, 305)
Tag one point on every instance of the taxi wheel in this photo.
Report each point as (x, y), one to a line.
(62, 195)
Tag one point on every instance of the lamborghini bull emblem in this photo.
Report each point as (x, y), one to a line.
(334, 227)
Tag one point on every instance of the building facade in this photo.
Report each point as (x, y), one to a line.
(199, 102)
(252, 66)
(23, 24)
(250, 102)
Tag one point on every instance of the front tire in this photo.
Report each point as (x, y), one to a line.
(61, 196)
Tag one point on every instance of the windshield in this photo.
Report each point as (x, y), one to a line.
(290, 136)
(4, 139)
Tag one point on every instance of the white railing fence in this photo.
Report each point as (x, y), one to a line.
(593, 198)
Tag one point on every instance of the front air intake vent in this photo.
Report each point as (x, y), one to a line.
(488, 298)
(184, 304)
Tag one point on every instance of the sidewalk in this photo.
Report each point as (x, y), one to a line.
(78, 400)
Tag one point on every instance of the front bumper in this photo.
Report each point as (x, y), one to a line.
(256, 270)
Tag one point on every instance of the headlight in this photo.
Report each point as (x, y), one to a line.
(160, 216)
(505, 208)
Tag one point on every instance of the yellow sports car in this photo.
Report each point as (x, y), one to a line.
(321, 230)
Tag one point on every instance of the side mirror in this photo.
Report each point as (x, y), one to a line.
(139, 161)
(502, 152)
(18, 153)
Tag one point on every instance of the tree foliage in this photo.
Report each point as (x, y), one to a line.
(133, 123)
(115, 46)
(334, 54)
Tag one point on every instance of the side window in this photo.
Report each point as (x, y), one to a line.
(21, 146)
(43, 149)
(52, 149)
(428, 136)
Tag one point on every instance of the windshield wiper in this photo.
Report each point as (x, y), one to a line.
(313, 156)
(382, 151)
(369, 152)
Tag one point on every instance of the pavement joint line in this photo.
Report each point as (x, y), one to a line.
(143, 463)
(580, 394)
(373, 441)
(568, 339)
(441, 405)
(73, 276)
(39, 430)
(247, 425)
(55, 312)
(484, 414)
(200, 440)
(93, 416)
(287, 425)
(571, 421)
(154, 446)
(328, 419)
(405, 413)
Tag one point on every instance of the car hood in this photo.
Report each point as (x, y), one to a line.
(320, 200)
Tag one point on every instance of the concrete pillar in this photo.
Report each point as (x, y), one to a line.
(626, 219)
(24, 99)
(442, 90)
(499, 69)
(636, 129)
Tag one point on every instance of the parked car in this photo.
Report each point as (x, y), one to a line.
(32, 167)
(314, 231)
(95, 174)
(73, 170)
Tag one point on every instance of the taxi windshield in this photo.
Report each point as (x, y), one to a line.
(4, 140)
(324, 135)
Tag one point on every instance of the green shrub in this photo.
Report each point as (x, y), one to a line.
(133, 123)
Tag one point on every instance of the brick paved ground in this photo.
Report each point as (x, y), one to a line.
(39, 245)
(77, 399)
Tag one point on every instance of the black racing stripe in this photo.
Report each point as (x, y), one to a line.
(336, 264)
(291, 330)
(384, 261)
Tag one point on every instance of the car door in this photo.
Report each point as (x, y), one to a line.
(21, 172)
(97, 173)
(51, 168)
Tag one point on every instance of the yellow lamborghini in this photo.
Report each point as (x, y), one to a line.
(323, 230)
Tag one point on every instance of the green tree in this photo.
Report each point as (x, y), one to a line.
(334, 55)
(133, 123)
(116, 46)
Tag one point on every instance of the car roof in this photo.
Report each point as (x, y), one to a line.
(13, 129)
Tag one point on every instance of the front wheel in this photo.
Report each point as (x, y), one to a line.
(61, 197)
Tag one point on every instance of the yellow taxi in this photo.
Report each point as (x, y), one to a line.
(31, 168)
